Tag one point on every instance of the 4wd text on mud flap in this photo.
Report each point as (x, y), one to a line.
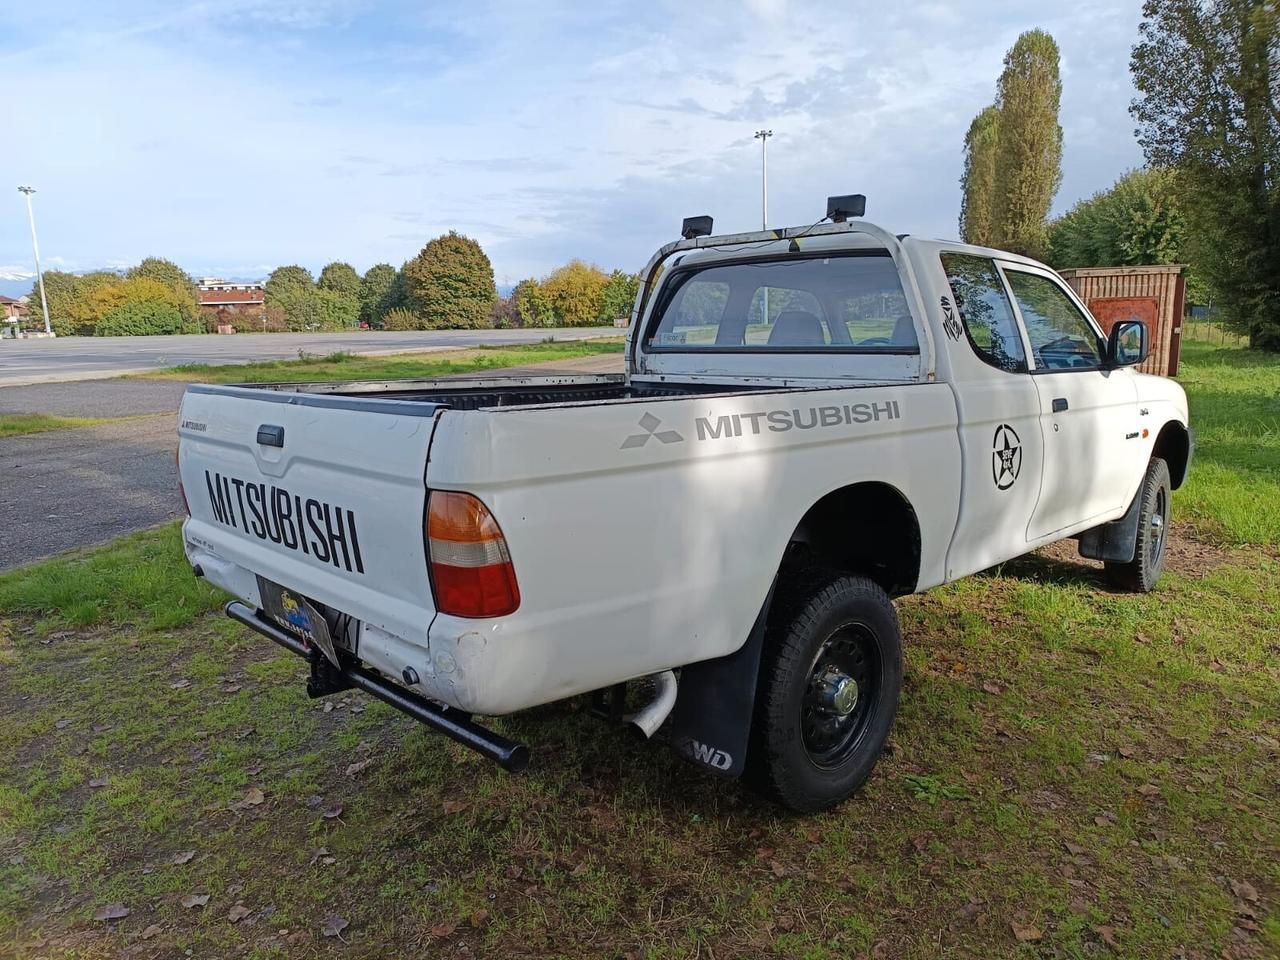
(325, 531)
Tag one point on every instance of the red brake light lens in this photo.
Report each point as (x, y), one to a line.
(471, 570)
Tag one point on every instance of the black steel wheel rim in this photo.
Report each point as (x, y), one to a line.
(1159, 526)
(851, 650)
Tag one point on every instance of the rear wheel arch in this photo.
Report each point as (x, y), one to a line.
(1173, 446)
(869, 529)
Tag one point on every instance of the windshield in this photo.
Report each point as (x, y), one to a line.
(851, 303)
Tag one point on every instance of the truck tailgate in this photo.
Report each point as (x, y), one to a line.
(323, 495)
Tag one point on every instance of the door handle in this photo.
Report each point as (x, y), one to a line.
(270, 435)
(1059, 404)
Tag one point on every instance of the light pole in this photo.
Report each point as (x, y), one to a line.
(35, 246)
(763, 136)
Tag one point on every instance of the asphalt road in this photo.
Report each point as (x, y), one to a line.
(84, 358)
(83, 487)
(76, 488)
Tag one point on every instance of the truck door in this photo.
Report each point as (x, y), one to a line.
(1088, 414)
(999, 411)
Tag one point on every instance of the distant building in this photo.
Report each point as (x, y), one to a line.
(234, 296)
(10, 309)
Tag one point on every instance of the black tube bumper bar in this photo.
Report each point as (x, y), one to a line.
(453, 723)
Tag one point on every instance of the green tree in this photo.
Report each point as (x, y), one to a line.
(376, 288)
(284, 279)
(158, 268)
(340, 278)
(450, 283)
(618, 296)
(138, 306)
(60, 291)
(1029, 145)
(1139, 220)
(978, 182)
(533, 306)
(402, 318)
(1206, 72)
(576, 292)
(312, 308)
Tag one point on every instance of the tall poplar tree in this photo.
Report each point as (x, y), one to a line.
(978, 182)
(1029, 151)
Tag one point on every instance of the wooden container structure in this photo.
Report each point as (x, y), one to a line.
(1155, 295)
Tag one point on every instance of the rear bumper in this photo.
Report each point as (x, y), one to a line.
(455, 724)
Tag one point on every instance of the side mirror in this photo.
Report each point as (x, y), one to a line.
(1128, 344)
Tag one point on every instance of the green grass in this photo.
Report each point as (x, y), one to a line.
(18, 424)
(347, 366)
(1234, 396)
(1101, 767)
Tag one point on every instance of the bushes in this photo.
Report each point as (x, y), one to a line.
(401, 318)
(304, 309)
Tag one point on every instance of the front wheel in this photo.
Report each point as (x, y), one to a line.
(828, 695)
(1141, 573)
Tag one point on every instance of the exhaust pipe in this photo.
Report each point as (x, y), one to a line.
(651, 716)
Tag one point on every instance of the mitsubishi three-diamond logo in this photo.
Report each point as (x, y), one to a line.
(649, 423)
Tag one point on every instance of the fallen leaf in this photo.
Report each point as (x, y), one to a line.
(112, 911)
(992, 687)
(454, 806)
(238, 913)
(1107, 933)
(778, 869)
(1126, 751)
(1026, 934)
(580, 869)
(970, 910)
(444, 929)
(328, 708)
(151, 931)
(192, 900)
(313, 802)
(514, 871)
(333, 926)
(1149, 790)
(97, 782)
(179, 684)
(232, 688)
(1244, 890)
(786, 923)
(184, 857)
(479, 917)
(354, 768)
(332, 812)
(253, 796)
(1073, 848)
(62, 724)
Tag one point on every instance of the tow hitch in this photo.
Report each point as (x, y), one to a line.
(326, 678)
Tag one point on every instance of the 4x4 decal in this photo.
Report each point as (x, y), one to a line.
(1006, 456)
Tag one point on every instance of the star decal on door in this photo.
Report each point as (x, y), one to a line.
(1006, 456)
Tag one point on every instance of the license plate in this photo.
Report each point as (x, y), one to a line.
(298, 615)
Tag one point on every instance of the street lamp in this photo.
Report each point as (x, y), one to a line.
(35, 246)
(763, 136)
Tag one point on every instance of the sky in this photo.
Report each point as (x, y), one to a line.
(237, 135)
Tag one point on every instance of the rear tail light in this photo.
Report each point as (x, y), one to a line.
(471, 571)
(186, 507)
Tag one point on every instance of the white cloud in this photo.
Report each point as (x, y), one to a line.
(11, 272)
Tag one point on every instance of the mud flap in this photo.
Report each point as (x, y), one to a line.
(1118, 540)
(711, 722)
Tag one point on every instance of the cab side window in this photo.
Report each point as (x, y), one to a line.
(1061, 338)
(984, 307)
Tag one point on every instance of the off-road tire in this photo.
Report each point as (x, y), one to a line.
(780, 760)
(1141, 573)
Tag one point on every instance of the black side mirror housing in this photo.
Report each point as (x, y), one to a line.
(1128, 344)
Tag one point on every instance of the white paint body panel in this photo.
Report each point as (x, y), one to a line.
(632, 560)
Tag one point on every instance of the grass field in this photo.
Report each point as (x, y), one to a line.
(1075, 773)
(348, 366)
(19, 424)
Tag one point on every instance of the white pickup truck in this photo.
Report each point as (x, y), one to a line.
(812, 421)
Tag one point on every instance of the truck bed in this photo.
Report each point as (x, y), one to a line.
(502, 392)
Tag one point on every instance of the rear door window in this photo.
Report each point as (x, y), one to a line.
(985, 310)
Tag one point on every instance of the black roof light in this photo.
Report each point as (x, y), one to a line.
(695, 227)
(840, 209)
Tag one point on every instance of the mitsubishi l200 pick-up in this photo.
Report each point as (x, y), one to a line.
(811, 422)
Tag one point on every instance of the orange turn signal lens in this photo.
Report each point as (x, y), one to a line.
(471, 571)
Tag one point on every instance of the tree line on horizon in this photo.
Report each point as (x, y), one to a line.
(1206, 73)
(448, 285)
